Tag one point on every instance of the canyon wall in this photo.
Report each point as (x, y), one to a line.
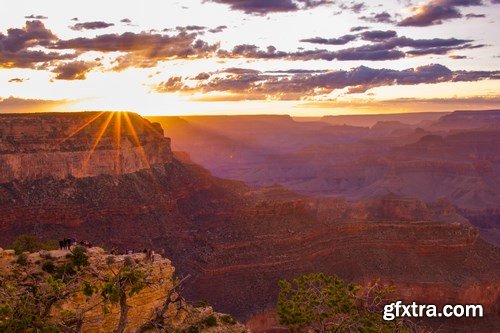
(78, 145)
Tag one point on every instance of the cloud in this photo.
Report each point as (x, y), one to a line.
(218, 29)
(304, 85)
(239, 71)
(126, 20)
(21, 105)
(331, 41)
(367, 52)
(386, 45)
(355, 7)
(201, 76)
(378, 35)
(383, 17)
(359, 28)
(34, 33)
(173, 84)
(75, 70)
(92, 25)
(191, 28)
(263, 7)
(17, 80)
(16, 47)
(143, 49)
(435, 12)
(471, 15)
(36, 17)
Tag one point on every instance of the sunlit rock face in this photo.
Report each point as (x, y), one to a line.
(78, 145)
(142, 305)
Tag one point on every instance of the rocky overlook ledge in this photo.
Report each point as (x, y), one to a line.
(68, 306)
(83, 144)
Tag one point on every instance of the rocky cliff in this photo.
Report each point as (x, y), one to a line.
(78, 145)
(97, 315)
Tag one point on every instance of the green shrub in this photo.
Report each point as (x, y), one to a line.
(228, 319)
(318, 302)
(79, 257)
(27, 243)
(202, 304)
(64, 271)
(22, 260)
(110, 260)
(210, 321)
(193, 329)
(49, 267)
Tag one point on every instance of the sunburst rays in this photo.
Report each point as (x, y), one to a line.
(117, 126)
(82, 127)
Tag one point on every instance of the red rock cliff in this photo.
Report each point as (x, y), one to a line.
(78, 145)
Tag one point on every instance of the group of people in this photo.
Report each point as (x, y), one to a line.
(67, 243)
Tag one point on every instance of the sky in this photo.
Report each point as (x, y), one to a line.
(297, 57)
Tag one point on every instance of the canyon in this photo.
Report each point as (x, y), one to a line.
(113, 179)
(430, 156)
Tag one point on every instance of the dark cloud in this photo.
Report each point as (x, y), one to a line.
(383, 17)
(239, 71)
(76, 70)
(436, 11)
(369, 52)
(470, 16)
(36, 17)
(378, 35)
(218, 29)
(191, 28)
(331, 41)
(359, 28)
(143, 49)
(16, 47)
(17, 80)
(263, 7)
(296, 86)
(386, 45)
(92, 25)
(34, 33)
(194, 27)
(254, 52)
(126, 20)
(201, 76)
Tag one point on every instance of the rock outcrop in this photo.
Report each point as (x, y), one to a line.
(141, 306)
(78, 145)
